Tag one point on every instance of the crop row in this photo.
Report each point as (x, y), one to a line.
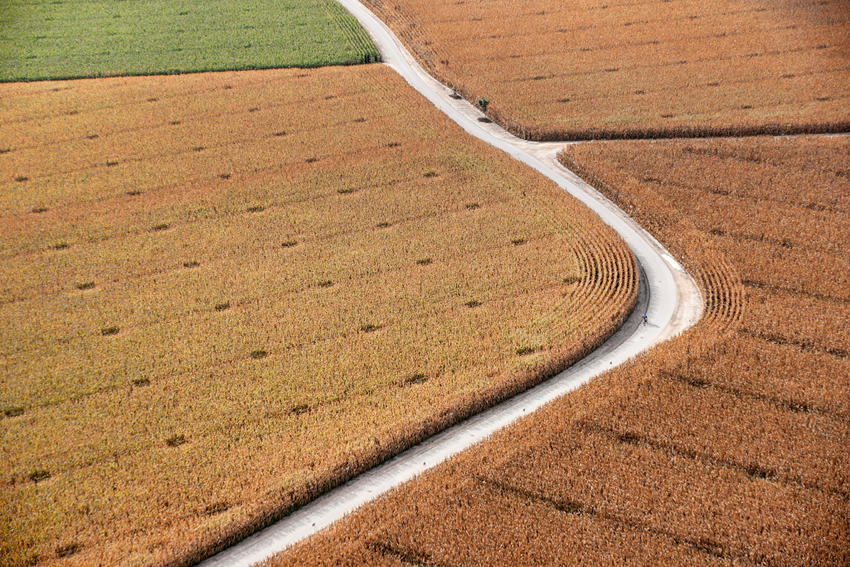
(812, 187)
(753, 435)
(816, 324)
(785, 225)
(782, 374)
(69, 109)
(324, 316)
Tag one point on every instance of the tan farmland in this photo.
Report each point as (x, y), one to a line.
(222, 294)
(600, 69)
(726, 446)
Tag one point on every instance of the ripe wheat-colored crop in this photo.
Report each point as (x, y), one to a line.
(596, 69)
(725, 446)
(223, 294)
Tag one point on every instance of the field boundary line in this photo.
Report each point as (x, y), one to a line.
(667, 294)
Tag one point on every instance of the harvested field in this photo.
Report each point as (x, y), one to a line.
(725, 446)
(588, 69)
(223, 294)
(47, 39)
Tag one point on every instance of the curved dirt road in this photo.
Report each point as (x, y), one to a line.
(667, 294)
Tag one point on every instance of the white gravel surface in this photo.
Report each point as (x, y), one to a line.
(667, 294)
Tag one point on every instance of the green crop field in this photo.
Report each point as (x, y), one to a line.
(50, 39)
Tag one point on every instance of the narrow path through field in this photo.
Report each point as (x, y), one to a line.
(667, 294)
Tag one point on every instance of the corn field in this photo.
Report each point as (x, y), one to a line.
(223, 294)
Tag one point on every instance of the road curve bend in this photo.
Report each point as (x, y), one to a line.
(667, 294)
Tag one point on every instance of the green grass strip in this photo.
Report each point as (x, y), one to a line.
(65, 39)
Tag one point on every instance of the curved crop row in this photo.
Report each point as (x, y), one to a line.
(236, 291)
(724, 446)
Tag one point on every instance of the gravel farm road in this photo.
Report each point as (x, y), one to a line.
(667, 294)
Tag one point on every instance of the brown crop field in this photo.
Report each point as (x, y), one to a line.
(590, 69)
(726, 446)
(223, 294)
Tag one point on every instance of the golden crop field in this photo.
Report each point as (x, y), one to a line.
(223, 294)
(725, 446)
(595, 69)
